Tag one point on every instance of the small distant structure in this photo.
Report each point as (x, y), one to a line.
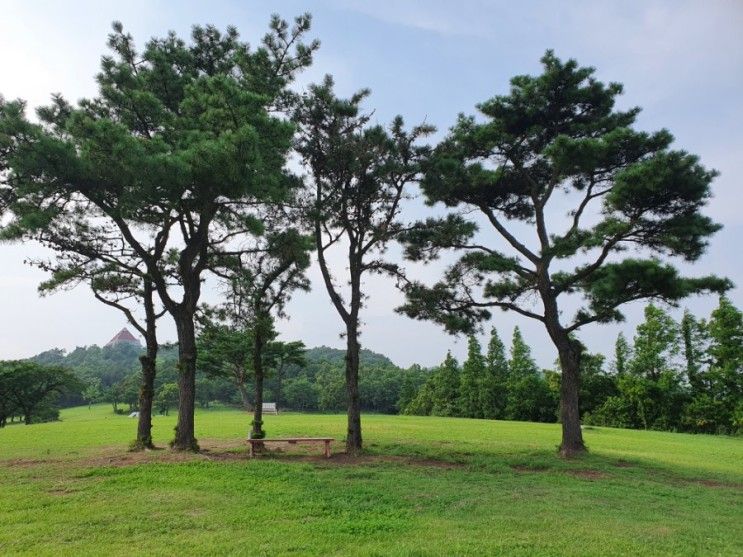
(123, 337)
(270, 408)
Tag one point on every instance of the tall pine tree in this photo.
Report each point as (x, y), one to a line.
(557, 142)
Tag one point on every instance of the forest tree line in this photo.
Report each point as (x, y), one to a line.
(674, 376)
(671, 376)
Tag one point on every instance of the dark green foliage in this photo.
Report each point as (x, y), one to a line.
(166, 398)
(471, 381)
(226, 351)
(528, 396)
(30, 390)
(596, 385)
(683, 377)
(622, 354)
(439, 396)
(494, 387)
(488, 387)
(718, 400)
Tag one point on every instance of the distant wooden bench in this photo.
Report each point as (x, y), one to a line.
(293, 441)
(270, 408)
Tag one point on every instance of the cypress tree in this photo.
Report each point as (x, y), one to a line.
(527, 390)
(726, 355)
(471, 381)
(622, 353)
(493, 392)
(446, 388)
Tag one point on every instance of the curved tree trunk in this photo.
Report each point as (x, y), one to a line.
(569, 351)
(185, 439)
(572, 436)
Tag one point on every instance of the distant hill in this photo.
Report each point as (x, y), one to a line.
(111, 363)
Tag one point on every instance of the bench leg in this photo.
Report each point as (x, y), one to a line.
(327, 449)
(252, 450)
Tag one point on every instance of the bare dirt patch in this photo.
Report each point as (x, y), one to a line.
(587, 474)
(27, 462)
(344, 459)
(715, 484)
(231, 451)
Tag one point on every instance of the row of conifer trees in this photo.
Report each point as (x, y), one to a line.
(680, 376)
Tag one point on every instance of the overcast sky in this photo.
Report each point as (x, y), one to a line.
(681, 61)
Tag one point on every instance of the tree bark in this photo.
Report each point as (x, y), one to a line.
(569, 351)
(185, 439)
(353, 435)
(146, 397)
(572, 436)
(148, 363)
(257, 431)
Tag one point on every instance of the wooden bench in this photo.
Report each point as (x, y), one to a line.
(270, 408)
(293, 441)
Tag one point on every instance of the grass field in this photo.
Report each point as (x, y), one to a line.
(428, 486)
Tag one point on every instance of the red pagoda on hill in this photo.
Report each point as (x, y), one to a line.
(123, 337)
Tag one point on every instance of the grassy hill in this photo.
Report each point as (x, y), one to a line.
(428, 486)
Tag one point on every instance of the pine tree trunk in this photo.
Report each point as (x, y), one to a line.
(185, 439)
(353, 436)
(148, 363)
(572, 436)
(146, 397)
(257, 430)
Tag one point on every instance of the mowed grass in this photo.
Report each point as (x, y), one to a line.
(426, 486)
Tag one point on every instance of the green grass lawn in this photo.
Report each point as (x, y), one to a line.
(427, 486)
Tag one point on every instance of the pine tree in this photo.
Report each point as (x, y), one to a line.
(556, 140)
(471, 381)
(358, 175)
(493, 391)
